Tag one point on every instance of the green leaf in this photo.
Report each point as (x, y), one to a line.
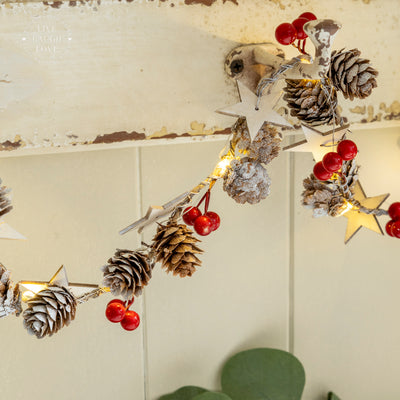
(332, 396)
(263, 374)
(184, 393)
(212, 396)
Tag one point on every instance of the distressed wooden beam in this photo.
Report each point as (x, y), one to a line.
(79, 75)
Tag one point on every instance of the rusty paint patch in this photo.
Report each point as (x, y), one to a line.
(119, 137)
(226, 131)
(16, 144)
(54, 4)
(208, 3)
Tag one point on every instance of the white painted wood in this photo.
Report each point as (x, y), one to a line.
(345, 326)
(72, 74)
(238, 299)
(70, 207)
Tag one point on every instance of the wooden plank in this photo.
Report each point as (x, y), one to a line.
(78, 75)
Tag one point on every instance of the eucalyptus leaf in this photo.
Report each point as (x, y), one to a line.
(332, 396)
(184, 393)
(263, 374)
(212, 396)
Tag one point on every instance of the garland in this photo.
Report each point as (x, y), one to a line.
(333, 189)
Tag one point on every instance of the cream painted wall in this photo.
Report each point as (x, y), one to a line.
(271, 276)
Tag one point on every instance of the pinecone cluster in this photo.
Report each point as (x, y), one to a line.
(5, 202)
(10, 297)
(247, 181)
(127, 273)
(175, 247)
(312, 101)
(50, 310)
(352, 74)
(329, 197)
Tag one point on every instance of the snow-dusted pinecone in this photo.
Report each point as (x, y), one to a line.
(127, 272)
(247, 181)
(329, 197)
(10, 297)
(5, 202)
(351, 74)
(265, 146)
(50, 310)
(312, 101)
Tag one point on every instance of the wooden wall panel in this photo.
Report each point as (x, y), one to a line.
(345, 296)
(239, 298)
(70, 207)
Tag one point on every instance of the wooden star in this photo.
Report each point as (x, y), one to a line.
(154, 213)
(60, 279)
(316, 142)
(7, 232)
(255, 115)
(356, 219)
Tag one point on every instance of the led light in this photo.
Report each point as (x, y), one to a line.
(347, 206)
(222, 166)
(27, 295)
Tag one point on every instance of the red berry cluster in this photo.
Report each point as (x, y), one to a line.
(332, 161)
(205, 223)
(118, 311)
(287, 33)
(393, 226)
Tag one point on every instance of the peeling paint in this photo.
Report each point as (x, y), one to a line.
(392, 112)
(358, 110)
(119, 137)
(208, 3)
(14, 145)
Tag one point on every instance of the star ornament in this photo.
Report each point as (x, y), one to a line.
(60, 279)
(154, 213)
(255, 115)
(318, 143)
(7, 232)
(356, 219)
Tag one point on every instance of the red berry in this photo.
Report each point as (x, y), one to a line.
(320, 172)
(308, 15)
(190, 214)
(215, 220)
(347, 149)
(116, 301)
(115, 311)
(394, 210)
(298, 24)
(202, 225)
(285, 33)
(332, 162)
(396, 229)
(389, 227)
(131, 321)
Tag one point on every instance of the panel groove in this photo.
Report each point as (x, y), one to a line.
(292, 205)
(139, 209)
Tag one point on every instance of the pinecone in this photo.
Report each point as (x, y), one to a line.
(127, 272)
(247, 181)
(49, 311)
(312, 101)
(319, 195)
(174, 245)
(10, 297)
(352, 74)
(265, 146)
(329, 197)
(5, 202)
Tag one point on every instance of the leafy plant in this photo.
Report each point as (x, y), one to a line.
(257, 374)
